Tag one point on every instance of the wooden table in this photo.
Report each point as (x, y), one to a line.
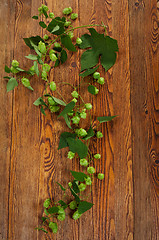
(127, 201)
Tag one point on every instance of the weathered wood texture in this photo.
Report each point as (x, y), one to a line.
(127, 201)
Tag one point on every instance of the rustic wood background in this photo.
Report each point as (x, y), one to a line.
(127, 201)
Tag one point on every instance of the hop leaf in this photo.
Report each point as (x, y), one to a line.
(100, 45)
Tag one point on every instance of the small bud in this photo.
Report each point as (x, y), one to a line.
(78, 40)
(70, 34)
(75, 120)
(101, 80)
(99, 134)
(74, 94)
(57, 45)
(54, 108)
(15, 63)
(74, 100)
(70, 155)
(67, 23)
(82, 187)
(91, 170)
(46, 37)
(53, 86)
(96, 90)
(44, 75)
(67, 11)
(74, 16)
(83, 162)
(97, 156)
(81, 132)
(51, 101)
(88, 181)
(100, 176)
(42, 47)
(51, 15)
(70, 184)
(88, 106)
(46, 67)
(73, 205)
(53, 57)
(96, 75)
(76, 215)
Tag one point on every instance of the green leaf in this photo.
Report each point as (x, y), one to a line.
(67, 109)
(67, 120)
(63, 56)
(42, 229)
(63, 139)
(77, 146)
(20, 69)
(105, 119)
(44, 219)
(47, 203)
(6, 77)
(45, 13)
(75, 195)
(36, 68)
(84, 206)
(38, 101)
(63, 204)
(35, 40)
(35, 17)
(80, 176)
(67, 42)
(75, 187)
(42, 24)
(103, 47)
(59, 101)
(42, 110)
(57, 22)
(32, 57)
(91, 89)
(46, 212)
(7, 69)
(88, 72)
(57, 63)
(12, 83)
(53, 210)
(56, 28)
(90, 133)
(62, 188)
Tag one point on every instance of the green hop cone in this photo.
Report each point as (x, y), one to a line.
(78, 40)
(88, 106)
(54, 108)
(51, 51)
(83, 115)
(67, 11)
(46, 67)
(91, 170)
(74, 100)
(70, 34)
(101, 80)
(73, 205)
(70, 155)
(75, 120)
(14, 70)
(97, 156)
(15, 63)
(32, 69)
(81, 132)
(100, 176)
(53, 227)
(70, 184)
(67, 23)
(88, 181)
(61, 217)
(44, 75)
(47, 203)
(51, 101)
(99, 134)
(42, 47)
(96, 90)
(26, 83)
(45, 8)
(74, 16)
(53, 86)
(70, 113)
(82, 187)
(51, 15)
(46, 37)
(57, 45)
(74, 94)
(83, 162)
(76, 215)
(96, 75)
(53, 57)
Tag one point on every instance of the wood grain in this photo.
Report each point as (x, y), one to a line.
(126, 203)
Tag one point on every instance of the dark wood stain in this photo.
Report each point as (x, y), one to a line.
(127, 201)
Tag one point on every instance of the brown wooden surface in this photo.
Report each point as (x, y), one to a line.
(127, 201)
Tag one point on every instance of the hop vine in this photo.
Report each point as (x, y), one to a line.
(51, 50)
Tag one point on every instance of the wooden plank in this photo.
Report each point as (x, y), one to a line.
(144, 58)
(124, 217)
